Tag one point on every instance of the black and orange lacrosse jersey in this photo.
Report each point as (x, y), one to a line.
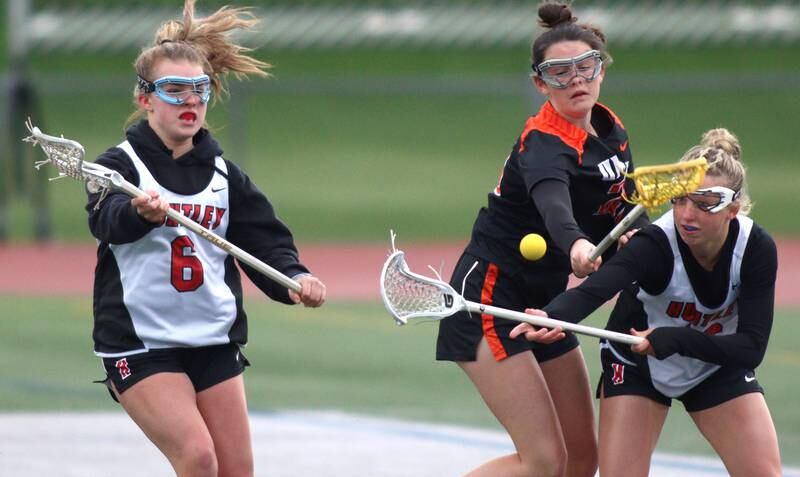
(552, 148)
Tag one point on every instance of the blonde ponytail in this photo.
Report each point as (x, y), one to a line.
(722, 150)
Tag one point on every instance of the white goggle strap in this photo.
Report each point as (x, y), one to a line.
(726, 197)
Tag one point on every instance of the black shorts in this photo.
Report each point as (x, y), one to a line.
(460, 333)
(205, 366)
(626, 373)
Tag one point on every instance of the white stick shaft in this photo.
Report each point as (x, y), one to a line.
(215, 239)
(90, 169)
(617, 232)
(551, 323)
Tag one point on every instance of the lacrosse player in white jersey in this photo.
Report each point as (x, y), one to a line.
(700, 285)
(168, 313)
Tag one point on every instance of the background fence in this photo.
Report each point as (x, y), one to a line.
(430, 25)
(74, 57)
(381, 114)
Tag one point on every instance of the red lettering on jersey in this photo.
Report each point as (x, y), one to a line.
(122, 367)
(729, 311)
(617, 187)
(691, 315)
(196, 208)
(208, 214)
(709, 318)
(688, 312)
(611, 207)
(713, 329)
(170, 222)
(186, 209)
(719, 315)
(674, 309)
(219, 214)
(619, 373)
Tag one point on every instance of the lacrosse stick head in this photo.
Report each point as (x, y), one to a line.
(67, 157)
(656, 185)
(408, 296)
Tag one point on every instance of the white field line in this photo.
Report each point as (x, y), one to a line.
(293, 444)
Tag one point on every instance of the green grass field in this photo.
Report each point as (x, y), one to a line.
(350, 144)
(344, 356)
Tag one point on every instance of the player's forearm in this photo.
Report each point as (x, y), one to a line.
(577, 303)
(553, 202)
(255, 228)
(741, 350)
(116, 220)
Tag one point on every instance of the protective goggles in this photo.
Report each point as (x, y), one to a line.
(711, 200)
(177, 89)
(558, 72)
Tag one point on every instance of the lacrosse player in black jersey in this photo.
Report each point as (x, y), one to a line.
(699, 285)
(564, 180)
(168, 313)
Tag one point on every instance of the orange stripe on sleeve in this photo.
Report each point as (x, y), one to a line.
(489, 332)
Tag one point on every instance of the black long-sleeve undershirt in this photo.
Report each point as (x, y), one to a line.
(254, 225)
(647, 260)
(553, 201)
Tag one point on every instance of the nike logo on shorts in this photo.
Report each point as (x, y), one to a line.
(217, 189)
(749, 379)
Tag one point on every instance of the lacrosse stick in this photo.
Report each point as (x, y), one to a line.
(655, 185)
(67, 157)
(408, 296)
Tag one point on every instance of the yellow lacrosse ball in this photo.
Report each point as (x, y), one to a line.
(532, 247)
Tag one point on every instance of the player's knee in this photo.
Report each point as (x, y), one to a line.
(550, 462)
(548, 468)
(198, 459)
(582, 456)
(582, 464)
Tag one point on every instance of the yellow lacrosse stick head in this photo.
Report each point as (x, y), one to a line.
(656, 185)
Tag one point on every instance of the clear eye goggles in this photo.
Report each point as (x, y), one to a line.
(177, 89)
(711, 200)
(558, 72)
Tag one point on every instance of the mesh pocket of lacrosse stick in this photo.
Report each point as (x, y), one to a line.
(656, 185)
(67, 156)
(407, 295)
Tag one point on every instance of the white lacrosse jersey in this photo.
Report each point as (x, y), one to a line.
(678, 305)
(192, 306)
